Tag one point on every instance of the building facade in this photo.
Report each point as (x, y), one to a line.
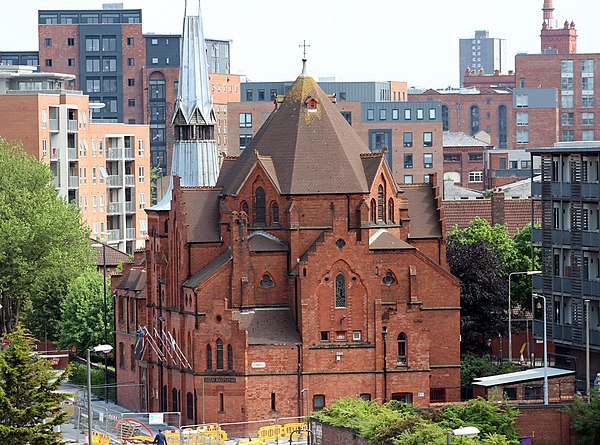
(481, 53)
(569, 193)
(103, 167)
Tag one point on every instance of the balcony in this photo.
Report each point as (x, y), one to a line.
(129, 233)
(536, 189)
(590, 190)
(54, 125)
(115, 207)
(72, 154)
(54, 154)
(114, 235)
(129, 207)
(590, 239)
(591, 288)
(128, 153)
(114, 153)
(129, 181)
(114, 181)
(72, 126)
(55, 182)
(73, 182)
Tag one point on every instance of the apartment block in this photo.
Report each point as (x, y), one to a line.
(103, 167)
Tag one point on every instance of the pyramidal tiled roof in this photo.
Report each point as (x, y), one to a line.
(312, 150)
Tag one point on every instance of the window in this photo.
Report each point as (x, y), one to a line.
(48, 62)
(437, 395)
(189, 399)
(221, 403)
(229, 357)
(141, 177)
(522, 118)
(588, 135)
(522, 101)
(408, 179)
(510, 393)
(273, 399)
(266, 281)
(390, 212)
(432, 114)
(587, 118)
(109, 64)
(48, 42)
(219, 354)
(475, 176)
(130, 61)
(131, 102)
(587, 66)
(427, 139)
(389, 279)
(522, 136)
(140, 147)
(122, 356)
(348, 116)
(142, 200)
(587, 101)
(511, 164)
(208, 358)
(324, 335)
(373, 212)
(380, 204)
(318, 402)
(568, 118)
(109, 43)
(154, 60)
(395, 114)
(275, 213)
(404, 397)
(382, 114)
(370, 114)
(567, 100)
(533, 392)
(342, 95)
(445, 118)
(525, 164)
(566, 67)
(452, 157)
(340, 291)
(568, 135)
(407, 114)
(419, 114)
(71, 62)
(474, 119)
(402, 348)
(566, 83)
(245, 140)
(587, 83)
(259, 207)
(245, 208)
(70, 41)
(365, 396)
(94, 203)
(428, 160)
(245, 120)
(408, 160)
(130, 41)
(408, 139)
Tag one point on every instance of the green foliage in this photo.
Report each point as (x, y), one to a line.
(585, 419)
(43, 241)
(403, 425)
(78, 376)
(521, 286)
(29, 401)
(82, 323)
(474, 366)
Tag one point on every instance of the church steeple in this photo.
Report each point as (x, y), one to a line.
(548, 13)
(555, 40)
(195, 154)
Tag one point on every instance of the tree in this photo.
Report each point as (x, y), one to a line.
(29, 400)
(82, 323)
(585, 419)
(521, 288)
(40, 236)
(482, 293)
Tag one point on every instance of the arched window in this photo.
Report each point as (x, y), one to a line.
(245, 207)
(208, 358)
(189, 398)
(122, 355)
(391, 212)
(402, 348)
(380, 204)
(175, 400)
(165, 394)
(373, 212)
(389, 278)
(132, 357)
(275, 213)
(340, 290)
(474, 119)
(502, 127)
(230, 357)
(219, 355)
(266, 281)
(259, 207)
(445, 118)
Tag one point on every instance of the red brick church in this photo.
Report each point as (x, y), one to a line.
(304, 273)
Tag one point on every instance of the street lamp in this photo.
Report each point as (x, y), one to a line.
(305, 390)
(469, 431)
(587, 348)
(545, 351)
(100, 348)
(528, 273)
(104, 313)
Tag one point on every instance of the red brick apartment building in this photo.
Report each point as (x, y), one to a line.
(305, 269)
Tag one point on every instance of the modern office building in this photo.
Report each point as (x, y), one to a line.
(569, 239)
(482, 53)
(104, 167)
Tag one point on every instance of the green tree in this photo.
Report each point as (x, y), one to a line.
(474, 366)
(40, 236)
(82, 323)
(585, 419)
(521, 287)
(29, 400)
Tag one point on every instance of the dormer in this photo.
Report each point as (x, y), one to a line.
(311, 104)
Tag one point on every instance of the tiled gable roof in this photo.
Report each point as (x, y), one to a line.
(384, 240)
(113, 256)
(312, 151)
(208, 271)
(265, 242)
(201, 209)
(270, 327)
(422, 211)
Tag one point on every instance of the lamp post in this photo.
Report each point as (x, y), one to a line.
(104, 317)
(529, 273)
(587, 348)
(545, 351)
(384, 332)
(469, 431)
(305, 390)
(100, 348)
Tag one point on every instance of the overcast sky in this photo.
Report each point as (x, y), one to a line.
(412, 41)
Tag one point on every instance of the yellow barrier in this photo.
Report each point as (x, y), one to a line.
(270, 432)
(100, 439)
(287, 429)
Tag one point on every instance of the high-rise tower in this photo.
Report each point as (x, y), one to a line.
(556, 40)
